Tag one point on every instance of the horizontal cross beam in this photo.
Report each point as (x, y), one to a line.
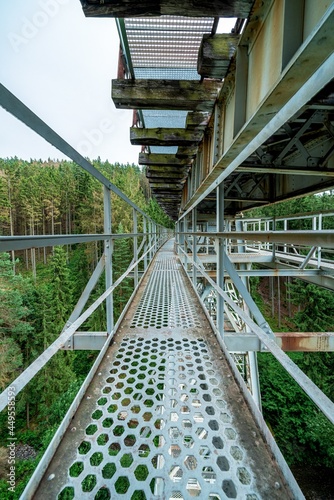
(215, 54)
(164, 136)
(163, 160)
(189, 95)
(147, 8)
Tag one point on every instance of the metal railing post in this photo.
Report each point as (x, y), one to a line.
(194, 229)
(220, 256)
(135, 246)
(108, 257)
(147, 241)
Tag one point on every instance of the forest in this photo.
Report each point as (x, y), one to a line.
(39, 288)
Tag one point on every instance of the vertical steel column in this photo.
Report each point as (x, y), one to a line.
(177, 238)
(194, 230)
(319, 248)
(252, 357)
(108, 249)
(135, 246)
(220, 256)
(185, 243)
(147, 241)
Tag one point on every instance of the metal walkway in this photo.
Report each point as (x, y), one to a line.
(163, 417)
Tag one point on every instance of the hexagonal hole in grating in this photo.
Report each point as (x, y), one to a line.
(201, 433)
(225, 417)
(193, 487)
(218, 442)
(174, 450)
(125, 402)
(159, 441)
(236, 453)
(138, 396)
(102, 401)
(229, 488)
(112, 408)
(89, 483)
(114, 449)
(130, 440)
(213, 424)
(243, 475)
(157, 486)
(144, 450)
(102, 439)
(145, 431)
(84, 447)
(126, 460)
(223, 463)
(76, 469)
(122, 415)
(198, 417)
(116, 396)
(188, 441)
(97, 414)
(96, 458)
(186, 424)
(118, 430)
(174, 433)
(107, 422)
(230, 433)
(133, 423)
(103, 494)
(209, 475)
(147, 416)
(106, 390)
(108, 470)
(158, 461)
(135, 409)
(175, 473)
(159, 423)
(190, 462)
(122, 485)
(141, 472)
(91, 429)
(66, 493)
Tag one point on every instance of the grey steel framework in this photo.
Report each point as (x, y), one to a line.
(156, 416)
(163, 416)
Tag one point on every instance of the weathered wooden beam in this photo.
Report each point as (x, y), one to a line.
(156, 169)
(197, 120)
(164, 136)
(133, 8)
(177, 186)
(162, 159)
(186, 152)
(215, 54)
(165, 174)
(189, 95)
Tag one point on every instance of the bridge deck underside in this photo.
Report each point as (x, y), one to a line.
(163, 416)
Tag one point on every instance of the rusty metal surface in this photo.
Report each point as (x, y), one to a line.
(164, 417)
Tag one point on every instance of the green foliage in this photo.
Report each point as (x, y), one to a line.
(315, 303)
(154, 210)
(303, 434)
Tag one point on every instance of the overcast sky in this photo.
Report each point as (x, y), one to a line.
(60, 64)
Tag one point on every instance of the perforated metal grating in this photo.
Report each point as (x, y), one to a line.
(165, 302)
(163, 417)
(161, 428)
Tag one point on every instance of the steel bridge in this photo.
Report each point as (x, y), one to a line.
(171, 408)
